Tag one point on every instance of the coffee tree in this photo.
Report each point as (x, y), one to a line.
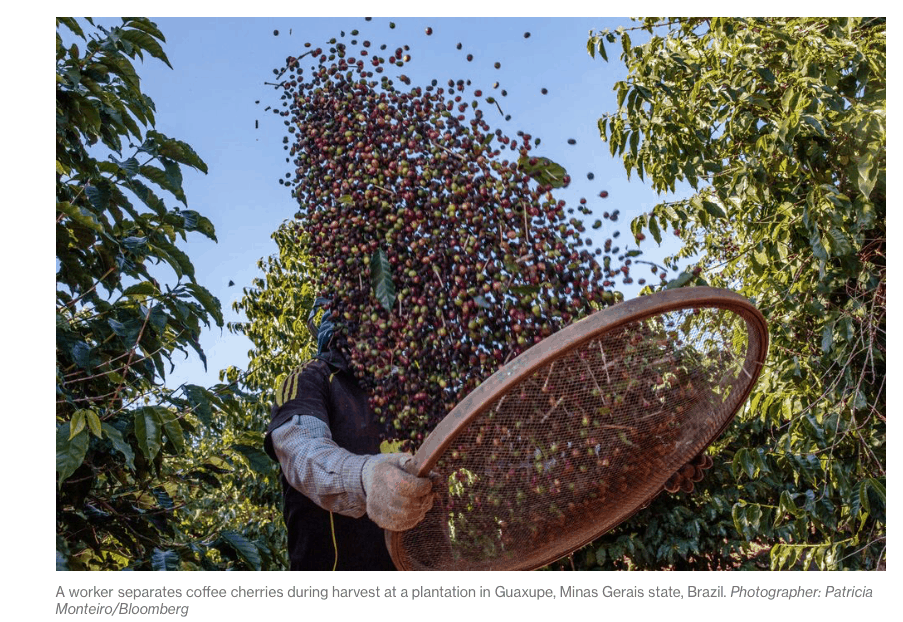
(779, 128)
(132, 457)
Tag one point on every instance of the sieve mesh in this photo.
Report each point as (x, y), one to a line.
(580, 442)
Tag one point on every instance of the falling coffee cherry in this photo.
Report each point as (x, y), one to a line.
(604, 194)
(369, 182)
(275, 33)
(590, 176)
(469, 57)
(526, 35)
(571, 141)
(429, 30)
(544, 91)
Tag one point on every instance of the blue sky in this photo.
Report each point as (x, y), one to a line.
(220, 66)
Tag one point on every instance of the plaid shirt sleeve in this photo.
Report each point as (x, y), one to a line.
(321, 470)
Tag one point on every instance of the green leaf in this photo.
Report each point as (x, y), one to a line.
(814, 123)
(119, 443)
(543, 170)
(840, 243)
(193, 221)
(147, 196)
(714, 209)
(93, 422)
(163, 560)
(877, 487)
(82, 355)
(144, 41)
(148, 431)
(143, 23)
(766, 74)
(868, 173)
(174, 256)
(159, 177)
(121, 66)
(174, 176)
(128, 331)
(634, 142)
(827, 337)
(680, 281)
(71, 24)
(199, 398)
(210, 302)
(246, 550)
(381, 277)
(77, 424)
(99, 196)
(70, 451)
(176, 150)
(255, 458)
(787, 505)
(79, 215)
(129, 166)
(141, 290)
(863, 496)
(854, 503)
(654, 230)
(593, 44)
(818, 248)
(173, 429)
(738, 514)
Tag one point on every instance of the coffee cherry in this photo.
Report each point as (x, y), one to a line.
(388, 173)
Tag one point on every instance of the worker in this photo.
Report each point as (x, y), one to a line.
(339, 491)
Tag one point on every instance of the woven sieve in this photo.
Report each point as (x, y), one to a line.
(581, 431)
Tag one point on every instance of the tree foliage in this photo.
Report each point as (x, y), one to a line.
(135, 460)
(275, 308)
(778, 127)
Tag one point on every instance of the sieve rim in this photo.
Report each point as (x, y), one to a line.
(563, 342)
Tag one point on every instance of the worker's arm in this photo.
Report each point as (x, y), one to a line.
(321, 470)
(340, 481)
(332, 477)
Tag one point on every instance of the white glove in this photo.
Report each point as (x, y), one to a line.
(396, 499)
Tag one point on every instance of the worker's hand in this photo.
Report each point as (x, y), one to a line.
(396, 500)
(691, 472)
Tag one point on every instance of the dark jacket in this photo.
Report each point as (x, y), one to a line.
(325, 388)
